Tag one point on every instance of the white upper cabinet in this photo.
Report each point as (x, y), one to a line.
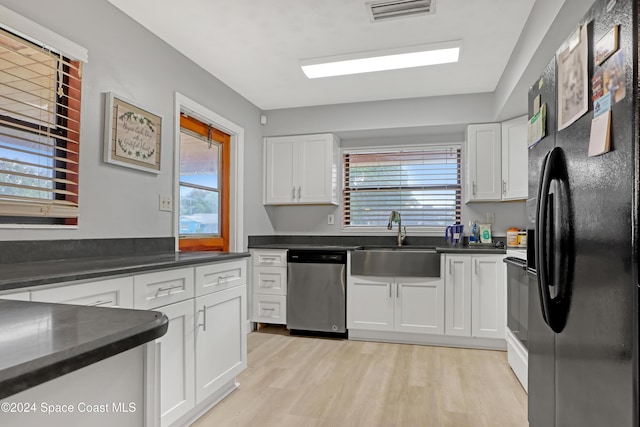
(301, 170)
(484, 179)
(514, 159)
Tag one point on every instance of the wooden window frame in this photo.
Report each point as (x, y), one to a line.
(213, 243)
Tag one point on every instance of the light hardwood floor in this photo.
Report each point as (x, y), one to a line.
(314, 382)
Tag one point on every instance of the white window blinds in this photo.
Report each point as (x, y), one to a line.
(423, 184)
(39, 131)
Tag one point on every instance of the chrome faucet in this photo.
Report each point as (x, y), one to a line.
(395, 217)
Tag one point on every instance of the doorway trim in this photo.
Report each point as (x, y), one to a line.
(236, 174)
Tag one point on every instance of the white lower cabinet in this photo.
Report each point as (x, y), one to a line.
(269, 286)
(221, 344)
(475, 296)
(402, 304)
(370, 303)
(458, 295)
(488, 297)
(205, 346)
(419, 305)
(177, 362)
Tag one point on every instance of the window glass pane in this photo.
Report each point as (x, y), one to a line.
(199, 211)
(423, 185)
(199, 161)
(24, 163)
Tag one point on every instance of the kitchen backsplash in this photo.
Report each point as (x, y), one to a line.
(313, 219)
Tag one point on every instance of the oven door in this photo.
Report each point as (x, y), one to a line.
(517, 298)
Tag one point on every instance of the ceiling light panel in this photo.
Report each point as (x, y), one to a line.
(366, 62)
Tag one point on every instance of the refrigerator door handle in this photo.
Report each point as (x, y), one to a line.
(541, 237)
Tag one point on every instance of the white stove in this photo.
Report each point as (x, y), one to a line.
(517, 313)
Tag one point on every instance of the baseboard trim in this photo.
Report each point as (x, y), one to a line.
(425, 339)
(199, 410)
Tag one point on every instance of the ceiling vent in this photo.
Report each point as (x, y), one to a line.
(393, 9)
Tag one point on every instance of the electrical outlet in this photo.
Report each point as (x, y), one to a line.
(490, 217)
(165, 203)
(330, 219)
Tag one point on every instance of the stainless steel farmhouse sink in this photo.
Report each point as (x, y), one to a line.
(395, 261)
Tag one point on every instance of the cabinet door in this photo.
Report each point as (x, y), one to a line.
(370, 303)
(281, 170)
(177, 369)
(487, 288)
(104, 293)
(419, 305)
(515, 163)
(317, 174)
(221, 340)
(458, 295)
(484, 169)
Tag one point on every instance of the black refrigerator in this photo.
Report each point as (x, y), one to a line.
(583, 233)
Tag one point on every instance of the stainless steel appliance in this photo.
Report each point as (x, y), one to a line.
(517, 313)
(583, 326)
(316, 291)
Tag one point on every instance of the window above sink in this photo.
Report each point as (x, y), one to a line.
(423, 183)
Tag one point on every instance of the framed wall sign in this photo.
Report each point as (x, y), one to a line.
(131, 135)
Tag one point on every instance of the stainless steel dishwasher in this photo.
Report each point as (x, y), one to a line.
(316, 291)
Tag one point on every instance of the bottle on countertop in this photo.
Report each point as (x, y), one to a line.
(473, 235)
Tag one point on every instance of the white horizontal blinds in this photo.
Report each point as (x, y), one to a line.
(423, 184)
(39, 130)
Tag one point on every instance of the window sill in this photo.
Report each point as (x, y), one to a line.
(416, 231)
(39, 226)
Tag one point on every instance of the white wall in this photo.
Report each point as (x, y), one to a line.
(313, 219)
(127, 59)
(432, 119)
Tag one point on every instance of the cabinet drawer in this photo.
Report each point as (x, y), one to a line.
(270, 280)
(104, 293)
(270, 309)
(219, 276)
(270, 258)
(163, 287)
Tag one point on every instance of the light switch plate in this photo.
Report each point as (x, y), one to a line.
(330, 219)
(165, 203)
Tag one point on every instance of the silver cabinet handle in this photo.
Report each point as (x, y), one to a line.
(204, 318)
(476, 265)
(397, 290)
(299, 192)
(225, 277)
(168, 288)
(450, 269)
(389, 290)
(293, 192)
(99, 303)
(504, 187)
(268, 309)
(474, 186)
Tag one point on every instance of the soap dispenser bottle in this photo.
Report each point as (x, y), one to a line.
(473, 236)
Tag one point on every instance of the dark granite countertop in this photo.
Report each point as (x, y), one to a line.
(471, 250)
(42, 341)
(307, 246)
(26, 274)
(442, 249)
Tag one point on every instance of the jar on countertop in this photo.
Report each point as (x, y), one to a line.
(512, 237)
